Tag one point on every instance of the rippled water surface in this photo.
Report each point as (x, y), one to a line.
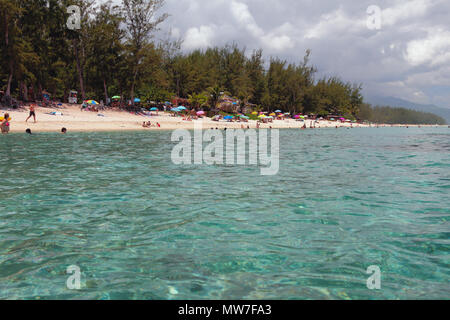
(140, 227)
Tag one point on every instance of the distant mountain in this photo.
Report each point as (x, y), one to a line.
(396, 102)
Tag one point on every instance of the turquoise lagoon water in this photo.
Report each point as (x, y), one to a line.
(140, 227)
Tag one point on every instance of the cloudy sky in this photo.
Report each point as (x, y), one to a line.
(407, 57)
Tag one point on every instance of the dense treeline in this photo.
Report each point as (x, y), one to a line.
(114, 53)
(391, 115)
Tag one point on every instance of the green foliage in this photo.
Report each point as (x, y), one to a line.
(391, 115)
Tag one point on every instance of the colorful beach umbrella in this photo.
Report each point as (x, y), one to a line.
(154, 109)
(116, 97)
(200, 113)
(92, 102)
(254, 113)
(278, 111)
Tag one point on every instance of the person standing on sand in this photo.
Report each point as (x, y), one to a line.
(32, 114)
(4, 125)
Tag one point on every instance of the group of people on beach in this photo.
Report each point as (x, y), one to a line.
(148, 124)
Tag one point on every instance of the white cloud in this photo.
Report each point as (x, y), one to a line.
(197, 38)
(433, 50)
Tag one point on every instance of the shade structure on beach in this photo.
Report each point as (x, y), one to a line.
(154, 109)
(92, 102)
(137, 100)
(181, 108)
(244, 117)
(297, 116)
(254, 113)
(272, 114)
(175, 110)
(261, 116)
(228, 117)
(116, 97)
(278, 111)
(200, 113)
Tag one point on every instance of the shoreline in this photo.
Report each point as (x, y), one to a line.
(76, 120)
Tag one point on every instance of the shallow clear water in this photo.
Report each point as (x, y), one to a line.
(140, 227)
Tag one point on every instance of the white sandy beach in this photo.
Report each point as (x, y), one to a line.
(76, 120)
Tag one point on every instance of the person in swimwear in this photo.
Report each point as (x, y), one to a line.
(32, 114)
(4, 125)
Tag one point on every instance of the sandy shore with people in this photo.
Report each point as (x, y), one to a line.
(75, 120)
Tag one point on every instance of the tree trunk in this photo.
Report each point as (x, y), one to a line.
(132, 87)
(80, 70)
(106, 91)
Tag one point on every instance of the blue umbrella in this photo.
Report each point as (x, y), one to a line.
(181, 108)
(278, 111)
(228, 117)
(175, 110)
(154, 109)
(137, 100)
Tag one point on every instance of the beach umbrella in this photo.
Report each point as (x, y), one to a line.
(261, 116)
(303, 117)
(272, 114)
(181, 108)
(297, 116)
(254, 113)
(278, 111)
(137, 100)
(228, 117)
(116, 97)
(270, 117)
(154, 109)
(175, 110)
(200, 113)
(244, 117)
(332, 119)
(92, 102)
